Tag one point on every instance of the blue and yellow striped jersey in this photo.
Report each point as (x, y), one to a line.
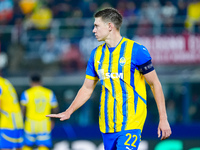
(123, 95)
(38, 101)
(10, 112)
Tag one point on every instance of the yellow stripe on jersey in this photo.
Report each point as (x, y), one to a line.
(102, 113)
(140, 84)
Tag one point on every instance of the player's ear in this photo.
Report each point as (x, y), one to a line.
(110, 25)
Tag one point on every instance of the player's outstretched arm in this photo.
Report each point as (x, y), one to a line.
(156, 88)
(82, 96)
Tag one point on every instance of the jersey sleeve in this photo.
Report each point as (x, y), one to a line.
(142, 55)
(23, 99)
(90, 71)
(54, 102)
(143, 60)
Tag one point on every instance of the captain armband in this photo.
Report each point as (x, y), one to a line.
(146, 67)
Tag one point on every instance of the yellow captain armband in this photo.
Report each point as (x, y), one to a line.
(91, 78)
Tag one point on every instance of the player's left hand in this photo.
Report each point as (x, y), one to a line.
(165, 129)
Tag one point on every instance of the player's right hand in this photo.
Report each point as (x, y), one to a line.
(63, 116)
(164, 129)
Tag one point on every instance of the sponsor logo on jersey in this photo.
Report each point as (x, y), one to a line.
(109, 75)
(113, 75)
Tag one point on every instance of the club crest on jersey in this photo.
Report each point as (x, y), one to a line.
(122, 61)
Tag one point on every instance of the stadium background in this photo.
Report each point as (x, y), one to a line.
(54, 37)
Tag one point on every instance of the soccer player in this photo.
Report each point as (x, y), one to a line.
(122, 66)
(11, 122)
(38, 101)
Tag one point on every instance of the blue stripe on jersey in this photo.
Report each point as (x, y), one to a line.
(136, 95)
(115, 114)
(0, 91)
(100, 102)
(135, 100)
(132, 66)
(124, 96)
(143, 99)
(132, 76)
(126, 92)
(106, 110)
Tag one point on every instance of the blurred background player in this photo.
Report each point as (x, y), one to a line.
(11, 123)
(37, 102)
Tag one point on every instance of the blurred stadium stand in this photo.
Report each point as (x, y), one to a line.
(54, 37)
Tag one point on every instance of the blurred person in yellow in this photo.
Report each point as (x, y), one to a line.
(11, 122)
(38, 101)
(40, 18)
(193, 15)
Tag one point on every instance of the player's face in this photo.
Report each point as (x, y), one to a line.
(101, 29)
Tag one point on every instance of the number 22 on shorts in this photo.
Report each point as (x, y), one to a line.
(129, 138)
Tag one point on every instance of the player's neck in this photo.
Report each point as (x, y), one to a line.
(113, 39)
(35, 84)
